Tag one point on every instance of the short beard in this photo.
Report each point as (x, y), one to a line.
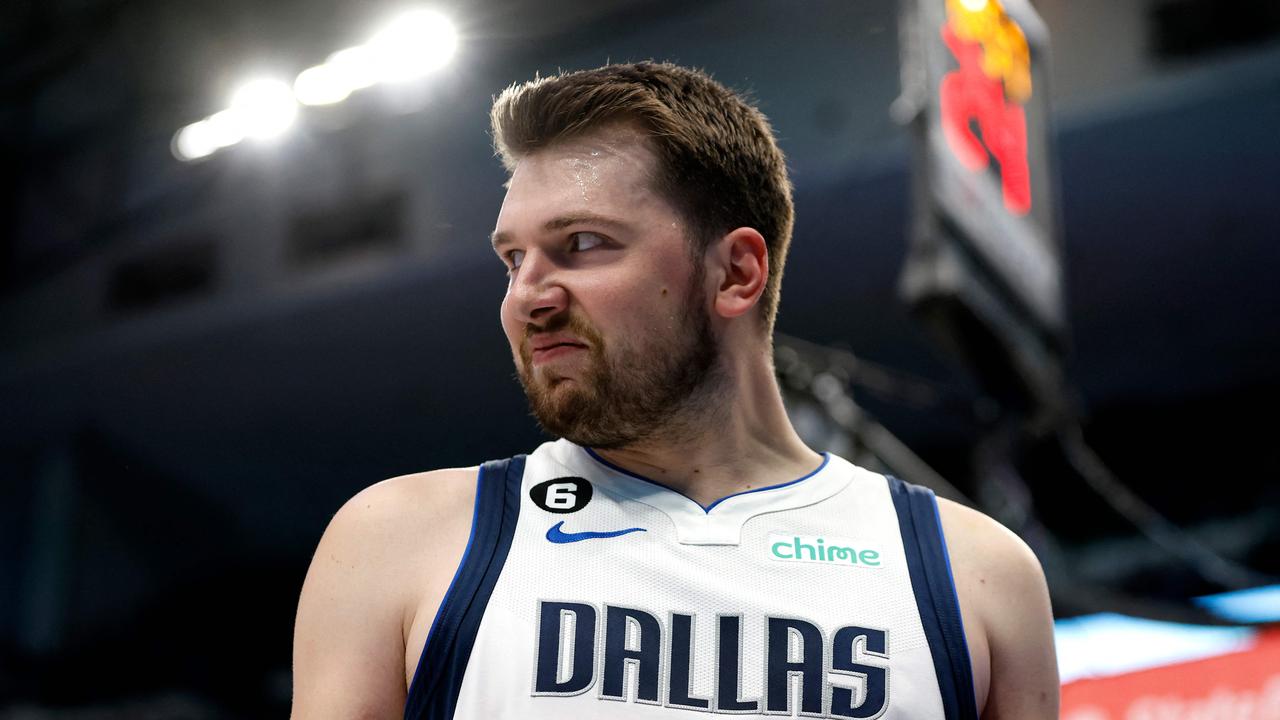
(631, 395)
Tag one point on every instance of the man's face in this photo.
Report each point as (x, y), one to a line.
(605, 311)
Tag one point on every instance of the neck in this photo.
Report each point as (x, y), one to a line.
(739, 440)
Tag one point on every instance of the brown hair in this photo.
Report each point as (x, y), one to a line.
(718, 163)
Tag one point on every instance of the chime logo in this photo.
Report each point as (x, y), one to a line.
(832, 551)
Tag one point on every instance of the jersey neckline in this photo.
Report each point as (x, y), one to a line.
(826, 458)
(719, 523)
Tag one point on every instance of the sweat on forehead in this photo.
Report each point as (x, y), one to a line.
(588, 154)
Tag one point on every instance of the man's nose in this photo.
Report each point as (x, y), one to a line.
(536, 292)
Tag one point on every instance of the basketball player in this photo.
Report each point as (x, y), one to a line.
(679, 552)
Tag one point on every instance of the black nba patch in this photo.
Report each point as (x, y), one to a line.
(562, 495)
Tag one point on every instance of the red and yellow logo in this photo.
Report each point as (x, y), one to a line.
(989, 89)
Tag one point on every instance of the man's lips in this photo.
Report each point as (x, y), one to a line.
(543, 349)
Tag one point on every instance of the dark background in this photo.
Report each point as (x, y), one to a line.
(200, 362)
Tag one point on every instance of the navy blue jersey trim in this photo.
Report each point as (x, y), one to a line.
(930, 569)
(433, 695)
(435, 621)
(826, 457)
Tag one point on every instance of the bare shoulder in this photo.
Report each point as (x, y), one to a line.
(980, 545)
(447, 486)
(387, 528)
(404, 506)
(390, 549)
(1008, 620)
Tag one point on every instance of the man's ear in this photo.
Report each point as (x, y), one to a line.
(742, 264)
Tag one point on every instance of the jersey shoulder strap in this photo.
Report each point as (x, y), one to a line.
(929, 567)
(434, 690)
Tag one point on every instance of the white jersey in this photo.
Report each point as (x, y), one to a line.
(588, 592)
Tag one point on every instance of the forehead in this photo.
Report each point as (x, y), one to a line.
(606, 171)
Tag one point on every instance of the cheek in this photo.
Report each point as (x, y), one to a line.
(510, 326)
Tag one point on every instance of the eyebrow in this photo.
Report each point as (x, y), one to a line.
(498, 239)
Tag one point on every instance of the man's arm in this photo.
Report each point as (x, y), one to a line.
(377, 577)
(1008, 622)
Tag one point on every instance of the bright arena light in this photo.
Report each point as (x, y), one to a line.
(356, 66)
(409, 47)
(264, 108)
(193, 142)
(319, 86)
(225, 128)
(203, 138)
(413, 45)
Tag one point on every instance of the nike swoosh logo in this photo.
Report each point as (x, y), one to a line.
(556, 535)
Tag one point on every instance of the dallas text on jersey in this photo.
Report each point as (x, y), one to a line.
(847, 677)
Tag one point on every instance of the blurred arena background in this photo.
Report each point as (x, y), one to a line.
(232, 294)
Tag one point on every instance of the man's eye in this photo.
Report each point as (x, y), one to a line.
(580, 241)
(515, 257)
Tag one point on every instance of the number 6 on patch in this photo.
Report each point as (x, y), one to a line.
(562, 495)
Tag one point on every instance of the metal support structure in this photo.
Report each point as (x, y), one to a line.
(824, 374)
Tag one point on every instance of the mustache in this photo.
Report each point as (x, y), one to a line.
(564, 322)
